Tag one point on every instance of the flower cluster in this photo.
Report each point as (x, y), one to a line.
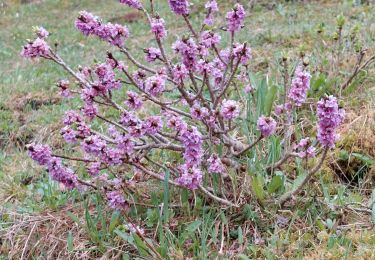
(179, 7)
(266, 126)
(114, 34)
(235, 18)
(177, 111)
(330, 117)
(300, 86)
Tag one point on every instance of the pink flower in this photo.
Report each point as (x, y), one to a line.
(158, 28)
(93, 145)
(230, 109)
(37, 48)
(212, 8)
(132, 3)
(192, 141)
(188, 50)
(190, 178)
(198, 112)
(242, 52)
(69, 135)
(152, 125)
(116, 200)
(71, 117)
(330, 117)
(266, 126)
(40, 153)
(133, 100)
(63, 85)
(179, 72)
(87, 23)
(134, 229)
(152, 54)
(179, 7)
(300, 86)
(62, 174)
(114, 34)
(155, 85)
(41, 33)
(90, 110)
(235, 18)
(215, 165)
(210, 39)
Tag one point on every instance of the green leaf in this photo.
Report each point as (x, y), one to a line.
(114, 221)
(275, 184)
(125, 236)
(373, 213)
(70, 241)
(192, 227)
(270, 98)
(141, 246)
(257, 187)
(240, 235)
(365, 159)
(74, 217)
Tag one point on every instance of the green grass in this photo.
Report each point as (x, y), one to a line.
(286, 29)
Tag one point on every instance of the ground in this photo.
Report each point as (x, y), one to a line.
(39, 218)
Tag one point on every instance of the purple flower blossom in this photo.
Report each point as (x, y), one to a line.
(134, 229)
(152, 125)
(192, 141)
(158, 27)
(248, 88)
(139, 77)
(41, 33)
(190, 178)
(116, 200)
(179, 72)
(266, 126)
(107, 78)
(242, 52)
(188, 50)
(63, 85)
(212, 8)
(177, 123)
(94, 168)
(330, 117)
(300, 86)
(40, 153)
(114, 34)
(129, 119)
(87, 23)
(71, 117)
(125, 144)
(93, 145)
(133, 101)
(152, 54)
(215, 165)
(155, 85)
(210, 39)
(235, 18)
(90, 110)
(230, 109)
(62, 174)
(111, 156)
(132, 3)
(205, 67)
(198, 112)
(37, 48)
(69, 135)
(179, 7)
(83, 130)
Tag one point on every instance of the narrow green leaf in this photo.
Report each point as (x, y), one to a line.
(270, 98)
(257, 187)
(275, 184)
(70, 241)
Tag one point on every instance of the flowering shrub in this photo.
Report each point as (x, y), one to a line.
(185, 112)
